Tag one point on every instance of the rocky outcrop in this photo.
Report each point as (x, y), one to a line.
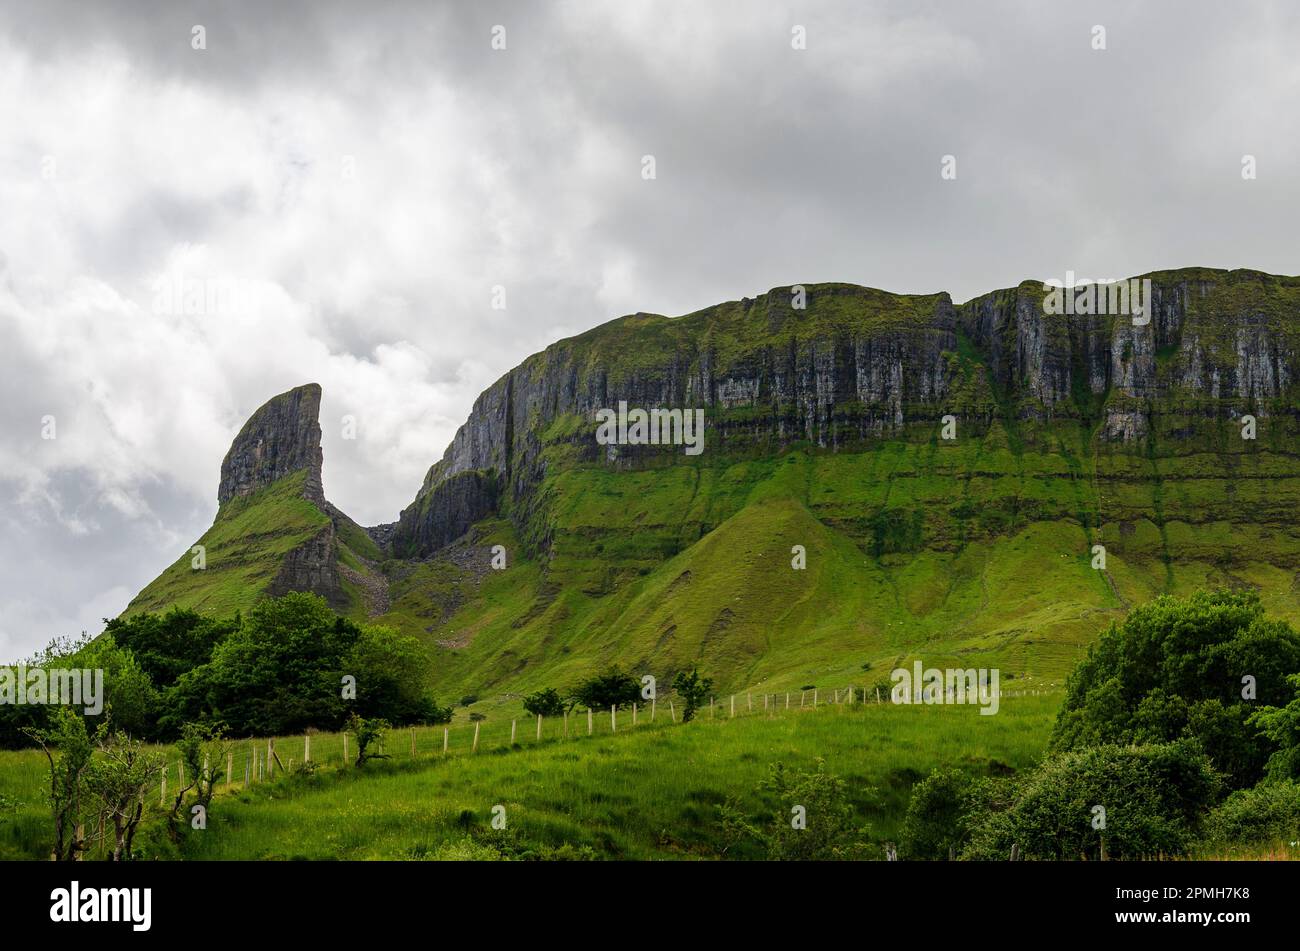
(313, 567)
(447, 512)
(281, 438)
(856, 363)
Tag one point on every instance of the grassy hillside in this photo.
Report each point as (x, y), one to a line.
(649, 791)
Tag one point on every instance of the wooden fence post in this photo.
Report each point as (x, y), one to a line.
(512, 732)
(306, 748)
(539, 726)
(345, 748)
(613, 722)
(566, 724)
(787, 700)
(634, 714)
(162, 797)
(671, 712)
(589, 721)
(653, 700)
(749, 698)
(230, 767)
(444, 741)
(814, 698)
(877, 695)
(475, 747)
(733, 704)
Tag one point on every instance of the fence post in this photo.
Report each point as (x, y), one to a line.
(787, 700)
(180, 773)
(245, 772)
(539, 726)
(475, 747)
(345, 748)
(512, 732)
(162, 796)
(566, 724)
(444, 741)
(634, 714)
(589, 721)
(749, 698)
(671, 712)
(653, 700)
(306, 748)
(814, 698)
(733, 704)
(877, 695)
(765, 703)
(412, 742)
(230, 767)
(270, 748)
(613, 722)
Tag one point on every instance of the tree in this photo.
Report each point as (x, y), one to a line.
(613, 688)
(118, 780)
(545, 703)
(693, 689)
(169, 645)
(68, 752)
(1184, 668)
(367, 733)
(1282, 726)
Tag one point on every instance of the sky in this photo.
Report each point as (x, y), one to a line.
(205, 204)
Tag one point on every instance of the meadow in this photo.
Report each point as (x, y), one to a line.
(646, 792)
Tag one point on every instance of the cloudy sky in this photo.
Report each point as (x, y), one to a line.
(348, 183)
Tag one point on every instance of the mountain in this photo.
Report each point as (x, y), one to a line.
(824, 427)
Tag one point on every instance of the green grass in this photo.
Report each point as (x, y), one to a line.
(648, 792)
(245, 549)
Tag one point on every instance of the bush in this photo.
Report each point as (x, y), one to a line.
(1154, 798)
(1174, 669)
(1268, 813)
(936, 824)
(544, 703)
(815, 798)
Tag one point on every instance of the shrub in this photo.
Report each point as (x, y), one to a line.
(1154, 797)
(811, 817)
(1268, 813)
(936, 824)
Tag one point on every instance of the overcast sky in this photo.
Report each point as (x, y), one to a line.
(352, 180)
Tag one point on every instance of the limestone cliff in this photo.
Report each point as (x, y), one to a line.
(281, 438)
(854, 364)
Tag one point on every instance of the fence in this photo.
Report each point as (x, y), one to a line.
(249, 762)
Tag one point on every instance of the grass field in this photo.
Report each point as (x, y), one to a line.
(649, 791)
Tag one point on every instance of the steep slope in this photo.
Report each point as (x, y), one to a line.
(826, 427)
(274, 531)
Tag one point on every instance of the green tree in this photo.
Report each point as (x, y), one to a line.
(694, 690)
(1179, 668)
(118, 780)
(935, 826)
(367, 732)
(68, 751)
(612, 687)
(545, 703)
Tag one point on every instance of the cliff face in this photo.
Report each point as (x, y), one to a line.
(856, 364)
(281, 438)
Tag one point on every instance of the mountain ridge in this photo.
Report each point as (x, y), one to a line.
(1070, 432)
